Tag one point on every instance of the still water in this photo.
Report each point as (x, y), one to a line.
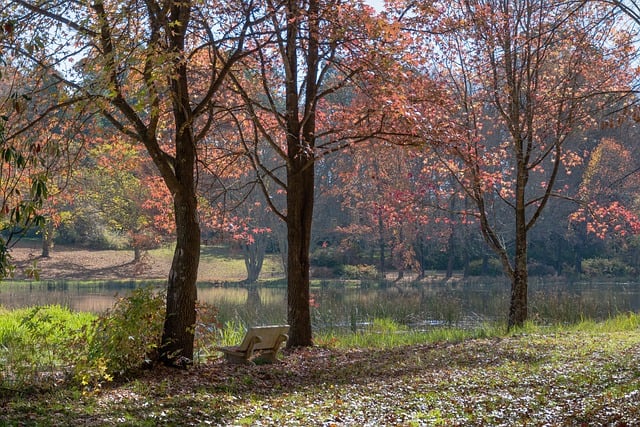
(337, 306)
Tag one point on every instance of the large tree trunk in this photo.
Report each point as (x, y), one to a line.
(299, 214)
(518, 304)
(177, 336)
(520, 279)
(300, 169)
(519, 283)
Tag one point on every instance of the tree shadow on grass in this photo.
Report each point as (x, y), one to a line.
(214, 388)
(214, 392)
(309, 368)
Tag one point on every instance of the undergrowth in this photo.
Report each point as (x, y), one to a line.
(44, 347)
(579, 374)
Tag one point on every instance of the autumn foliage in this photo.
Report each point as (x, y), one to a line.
(427, 134)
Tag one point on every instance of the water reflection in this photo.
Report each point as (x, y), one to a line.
(335, 306)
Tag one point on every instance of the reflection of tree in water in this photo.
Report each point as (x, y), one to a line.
(253, 297)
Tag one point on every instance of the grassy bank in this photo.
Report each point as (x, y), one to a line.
(588, 373)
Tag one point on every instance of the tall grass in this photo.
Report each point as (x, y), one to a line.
(386, 333)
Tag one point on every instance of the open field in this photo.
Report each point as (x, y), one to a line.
(217, 264)
(583, 375)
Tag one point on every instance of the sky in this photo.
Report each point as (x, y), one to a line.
(378, 4)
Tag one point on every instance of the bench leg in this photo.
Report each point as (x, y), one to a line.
(270, 356)
(267, 357)
(235, 359)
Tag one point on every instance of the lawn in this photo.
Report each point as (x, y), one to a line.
(588, 374)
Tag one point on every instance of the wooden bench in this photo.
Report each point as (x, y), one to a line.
(263, 339)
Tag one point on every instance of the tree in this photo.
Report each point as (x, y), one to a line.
(28, 154)
(306, 93)
(120, 189)
(153, 70)
(609, 190)
(525, 78)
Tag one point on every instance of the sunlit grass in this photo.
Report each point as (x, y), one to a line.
(219, 263)
(37, 342)
(385, 333)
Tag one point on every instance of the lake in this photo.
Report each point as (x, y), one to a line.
(336, 306)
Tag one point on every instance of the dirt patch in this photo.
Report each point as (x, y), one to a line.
(77, 264)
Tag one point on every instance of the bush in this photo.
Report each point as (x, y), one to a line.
(362, 272)
(38, 345)
(325, 257)
(124, 338)
(606, 267)
(494, 268)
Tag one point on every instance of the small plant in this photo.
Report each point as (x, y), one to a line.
(385, 326)
(231, 333)
(206, 330)
(362, 271)
(123, 338)
(606, 267)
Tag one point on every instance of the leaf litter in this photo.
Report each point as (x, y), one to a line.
(577, 378)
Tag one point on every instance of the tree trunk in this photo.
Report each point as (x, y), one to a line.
(299, 213)
(382, 246)
(451, 243)
(180, 318)
(47, 238)
(451, 255)
(254, 258)
(520, 277)
(518, 304)
(300, 167)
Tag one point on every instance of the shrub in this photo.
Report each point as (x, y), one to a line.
(494, 268)
(124, 338)
(362, 271)
(325, 257)
(606, 267)
(38, 345)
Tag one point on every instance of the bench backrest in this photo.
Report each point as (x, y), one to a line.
(268, 336)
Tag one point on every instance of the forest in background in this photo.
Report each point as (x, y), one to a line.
(357, 233)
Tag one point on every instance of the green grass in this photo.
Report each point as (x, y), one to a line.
(218, 263)
(386, 333)
(38, 344)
